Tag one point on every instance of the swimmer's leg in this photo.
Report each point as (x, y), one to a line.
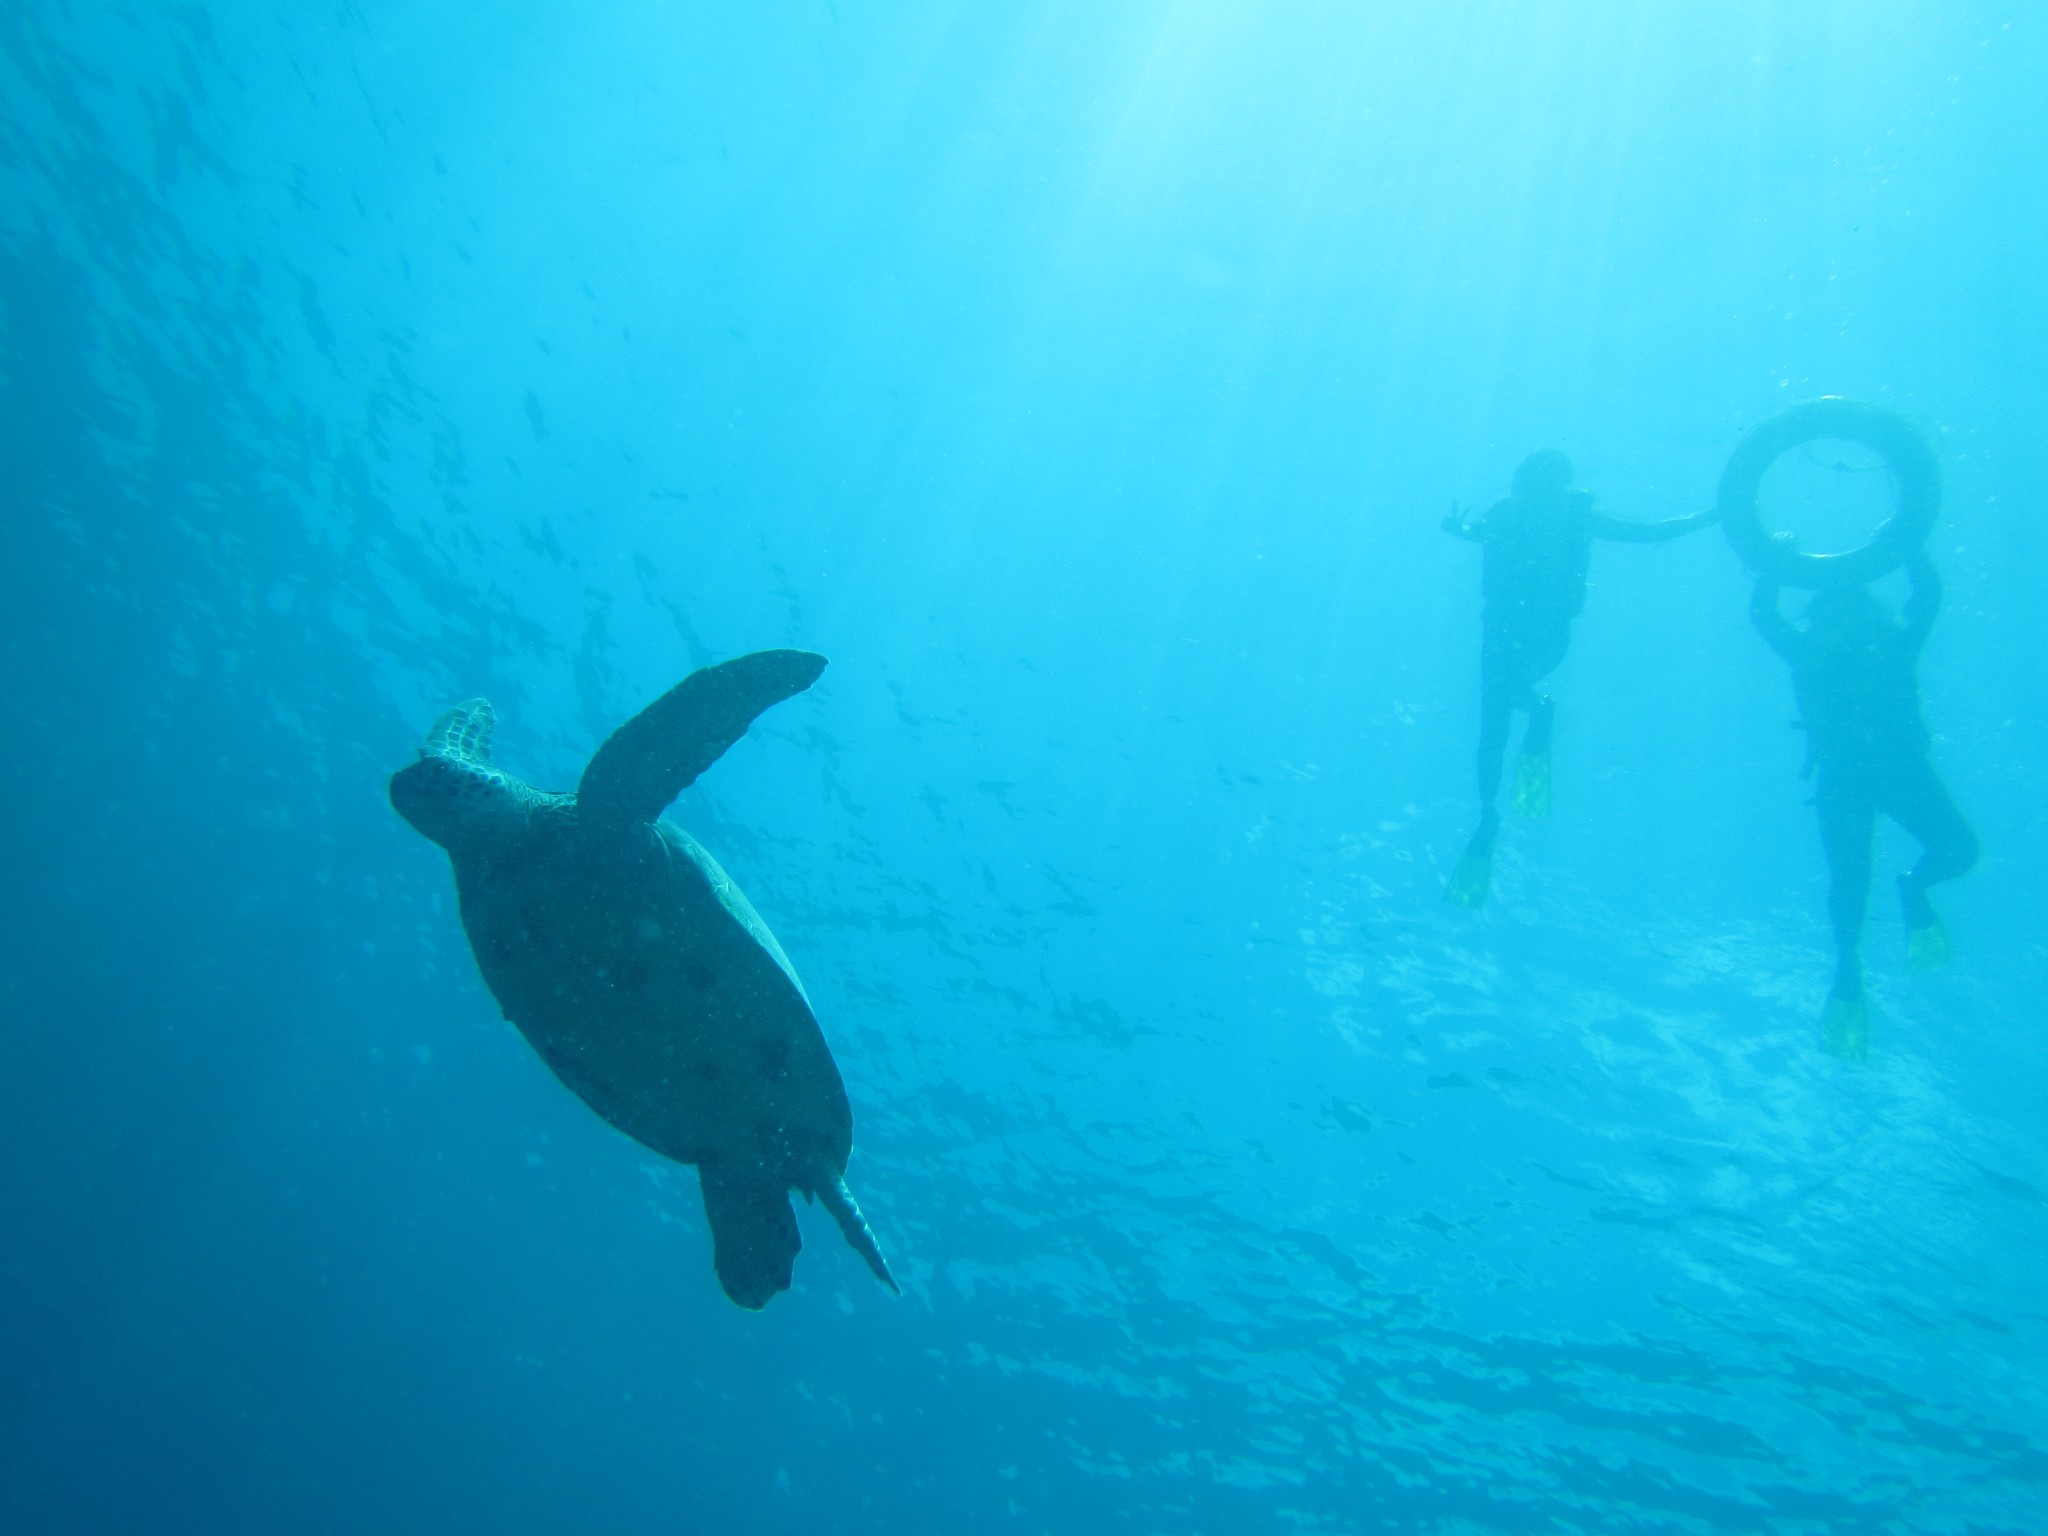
(1496, 718)
(1532, 767)
(1501, 686)
(1848, 817)
(1845, 1027)
(1921, 804)
(1544, 649)
(1473, 877)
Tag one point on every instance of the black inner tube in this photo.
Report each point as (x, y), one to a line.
(1915, 477)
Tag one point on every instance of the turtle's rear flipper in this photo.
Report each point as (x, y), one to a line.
(658, 753)
(753, 1236)
(838, 1199)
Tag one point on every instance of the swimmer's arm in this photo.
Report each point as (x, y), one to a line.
(1925, 600)
(1463, 525)
(1770, 623)
(1605, 527)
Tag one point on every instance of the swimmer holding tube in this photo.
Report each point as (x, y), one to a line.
(1855, 671)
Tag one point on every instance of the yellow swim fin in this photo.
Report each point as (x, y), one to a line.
(1532, 785)
(1471, 879)
(1845, 1029)
(1928, 946)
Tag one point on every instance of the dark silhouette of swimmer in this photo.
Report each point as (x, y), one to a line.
(1539, 544)
(1855, 670)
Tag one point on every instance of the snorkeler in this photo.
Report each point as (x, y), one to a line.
(1538, 543)
(1855, 671)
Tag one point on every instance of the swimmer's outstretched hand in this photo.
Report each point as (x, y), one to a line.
(1459, 523)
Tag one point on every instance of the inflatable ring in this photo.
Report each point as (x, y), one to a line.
(1915, 478)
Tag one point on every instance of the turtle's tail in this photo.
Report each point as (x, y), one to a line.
(838, 1199)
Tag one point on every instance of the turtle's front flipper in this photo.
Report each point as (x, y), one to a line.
(658, 754)
(838, 1199)
(463, 733)
(754, 1240)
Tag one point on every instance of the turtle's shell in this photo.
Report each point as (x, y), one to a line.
(646, 980)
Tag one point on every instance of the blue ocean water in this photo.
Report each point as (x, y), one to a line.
(1088, 383)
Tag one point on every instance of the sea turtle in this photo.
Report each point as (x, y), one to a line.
(634, 966)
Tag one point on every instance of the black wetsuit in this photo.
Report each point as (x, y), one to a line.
(1538, 551)
(1858, 687)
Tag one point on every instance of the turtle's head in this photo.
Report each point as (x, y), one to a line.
(453, 793)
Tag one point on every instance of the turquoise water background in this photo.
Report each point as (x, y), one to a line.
(1088, 382)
